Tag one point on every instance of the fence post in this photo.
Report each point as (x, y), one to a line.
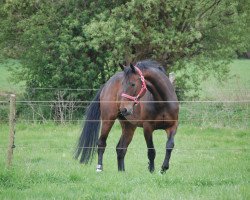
(172, 78)
(12, 119)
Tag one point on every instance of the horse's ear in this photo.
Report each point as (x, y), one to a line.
(132, 67)
(122, 66)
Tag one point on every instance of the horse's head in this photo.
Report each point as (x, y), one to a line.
(134, 87)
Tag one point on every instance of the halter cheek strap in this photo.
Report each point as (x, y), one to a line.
(142, 91)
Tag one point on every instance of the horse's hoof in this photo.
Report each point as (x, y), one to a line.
(99, 168)
(159, 173)
(164, 169)
(151, 168)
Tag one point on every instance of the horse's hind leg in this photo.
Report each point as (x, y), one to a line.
(106, 126)
(121, 148)
(169, 147)
(150, 145)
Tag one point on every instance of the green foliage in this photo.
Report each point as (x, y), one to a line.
(78, 44)
(47, 37)
(52, 46)
(194, 38)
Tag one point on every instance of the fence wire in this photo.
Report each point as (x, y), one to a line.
(225, 111)
(96, 89)
(162, 150)
(200, 113)
(231, 109)
(141, 101)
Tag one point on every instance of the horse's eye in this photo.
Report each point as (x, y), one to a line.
(132, 84)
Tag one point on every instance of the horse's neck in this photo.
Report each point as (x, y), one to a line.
(159, 85)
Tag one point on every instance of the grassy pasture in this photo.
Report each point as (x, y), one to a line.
(207, 163)
(236, 87)
(211, 159)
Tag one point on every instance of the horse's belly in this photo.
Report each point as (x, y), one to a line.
(165, 121)
(163, 125)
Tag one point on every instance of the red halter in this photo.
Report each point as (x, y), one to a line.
(142, 91)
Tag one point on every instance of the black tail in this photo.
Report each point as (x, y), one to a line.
(88, 139)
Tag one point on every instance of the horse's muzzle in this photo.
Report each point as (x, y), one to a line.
(126, 112)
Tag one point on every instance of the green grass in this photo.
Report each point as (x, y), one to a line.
(236, 87)
(207, 163)
(240, 70)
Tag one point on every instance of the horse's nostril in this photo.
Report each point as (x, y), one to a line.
(124, 111)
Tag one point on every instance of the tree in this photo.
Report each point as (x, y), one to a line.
(78, 44)
(49, 40)
(193, 38)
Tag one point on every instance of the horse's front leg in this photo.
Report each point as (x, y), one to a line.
(148, 134)
(106, 126)
(121, 148)
(169, 148)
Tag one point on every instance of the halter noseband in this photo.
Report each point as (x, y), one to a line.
(142, 91)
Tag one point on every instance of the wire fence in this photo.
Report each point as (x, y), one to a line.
(138, 149)
(48, 103)
(216, 108)
(230, 109)
(215, 88)
(200, 113)
(225, 112)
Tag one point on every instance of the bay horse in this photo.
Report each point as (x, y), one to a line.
(139, 96)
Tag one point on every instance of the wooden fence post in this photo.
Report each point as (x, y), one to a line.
(12, 119)
(172, 78)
